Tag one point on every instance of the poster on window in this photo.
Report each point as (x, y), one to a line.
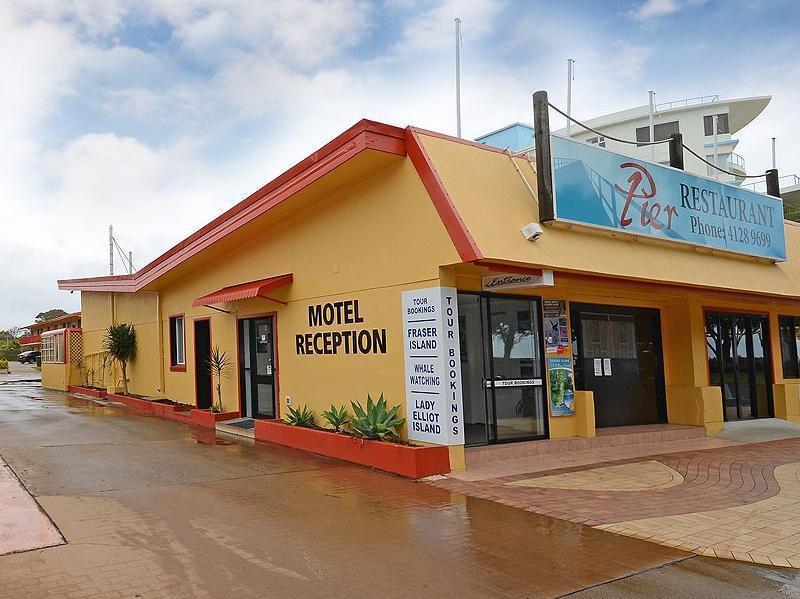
(562, 386)
(556, 333)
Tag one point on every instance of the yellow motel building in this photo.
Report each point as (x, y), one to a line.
(408, 263)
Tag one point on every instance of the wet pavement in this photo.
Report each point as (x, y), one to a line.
(151, 508)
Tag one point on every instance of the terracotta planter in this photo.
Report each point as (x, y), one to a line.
(208, 419)
(406, 460)
(98, 393)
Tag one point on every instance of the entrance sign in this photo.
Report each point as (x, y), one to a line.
(562, 386)
(599, 188)
(514, 281)
(432, 354)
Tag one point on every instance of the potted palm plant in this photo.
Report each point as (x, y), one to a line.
(120, 344)
(218, 365)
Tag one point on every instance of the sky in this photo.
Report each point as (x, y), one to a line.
(157, 115)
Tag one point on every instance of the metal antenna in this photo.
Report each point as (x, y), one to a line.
(570, 77)
(110, 249)
(458, 76)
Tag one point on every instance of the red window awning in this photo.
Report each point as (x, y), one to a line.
(243, 291)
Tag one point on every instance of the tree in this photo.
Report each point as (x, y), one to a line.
(120, 344)
(50, 314)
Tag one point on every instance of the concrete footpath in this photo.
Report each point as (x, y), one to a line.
(150, 508)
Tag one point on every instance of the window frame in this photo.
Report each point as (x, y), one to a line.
(708, 124)
(53, 348)
(794, 323)
(174, 364)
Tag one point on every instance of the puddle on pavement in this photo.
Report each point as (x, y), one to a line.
(209, 437)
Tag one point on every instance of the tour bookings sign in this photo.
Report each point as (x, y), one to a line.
(432, 365)
(599, 188)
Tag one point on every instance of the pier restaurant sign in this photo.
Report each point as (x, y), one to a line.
(599, 188)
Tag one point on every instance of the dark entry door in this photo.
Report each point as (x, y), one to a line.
(617, 353)
(739, 362)
(202, 358)
(257, 376)
(501, 369)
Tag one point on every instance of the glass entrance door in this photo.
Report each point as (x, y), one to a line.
(739, 362)
(617, 356)
(257, 376)
(501, 369)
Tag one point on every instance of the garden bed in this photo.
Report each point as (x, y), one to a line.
(169, 410)
(411, 461)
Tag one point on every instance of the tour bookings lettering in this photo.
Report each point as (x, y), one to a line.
(699, 201)
(348, 341)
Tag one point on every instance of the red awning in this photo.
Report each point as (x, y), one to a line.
(243, 291)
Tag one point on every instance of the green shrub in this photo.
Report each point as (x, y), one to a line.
(375, 422)
(302, 416)
(119, 343)
(338, 418)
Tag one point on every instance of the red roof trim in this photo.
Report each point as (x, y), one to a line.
(455, 225)
(364, 135)
(243, 291)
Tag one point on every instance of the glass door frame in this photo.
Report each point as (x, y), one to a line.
(242, 371)
(488, 367)
(751, 363)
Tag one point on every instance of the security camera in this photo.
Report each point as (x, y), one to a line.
(532, 231)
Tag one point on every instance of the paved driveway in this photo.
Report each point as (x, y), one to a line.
(151, 508)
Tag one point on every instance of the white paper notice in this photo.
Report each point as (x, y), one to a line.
(607, 366)
(598, 367)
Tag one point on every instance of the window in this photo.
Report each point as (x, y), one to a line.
(722, 124)
(177, 343)
(661, 132)
(599, 141)
(790, 345)
(53, 349)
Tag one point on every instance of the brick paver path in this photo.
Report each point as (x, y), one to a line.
(714, 482)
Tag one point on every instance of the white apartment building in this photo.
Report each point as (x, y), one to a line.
(692, 117)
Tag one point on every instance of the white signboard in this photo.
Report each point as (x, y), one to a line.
(433, 366)
(515, 281)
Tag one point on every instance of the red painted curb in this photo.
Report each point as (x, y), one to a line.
(98, 393)
(406, 460)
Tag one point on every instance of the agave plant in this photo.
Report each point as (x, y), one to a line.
(120, 345)
(338, 418)
(375, 422)
(301, 416)
(218, 365)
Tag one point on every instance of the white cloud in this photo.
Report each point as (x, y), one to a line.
(652, 9)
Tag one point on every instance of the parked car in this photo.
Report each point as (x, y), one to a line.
(29, 357)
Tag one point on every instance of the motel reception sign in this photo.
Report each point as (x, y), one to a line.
(599, 188)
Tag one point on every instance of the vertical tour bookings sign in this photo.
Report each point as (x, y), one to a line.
(432, 366)
(599, 188)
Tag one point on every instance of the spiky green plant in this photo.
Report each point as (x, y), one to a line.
(338, 418)
(218, 365)
(120, 345)
(375, 422)
(301, 416)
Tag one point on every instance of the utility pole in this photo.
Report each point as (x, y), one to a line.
(570, 77)
(652, 125)
(458, 76)
(774, 163)
(110, 249)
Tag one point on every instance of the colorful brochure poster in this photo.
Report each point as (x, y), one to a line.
(556, 333)
(562, 386)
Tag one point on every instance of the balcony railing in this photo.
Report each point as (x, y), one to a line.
(30, 339)
(736, 160)
(783, 182)
(698, 101)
